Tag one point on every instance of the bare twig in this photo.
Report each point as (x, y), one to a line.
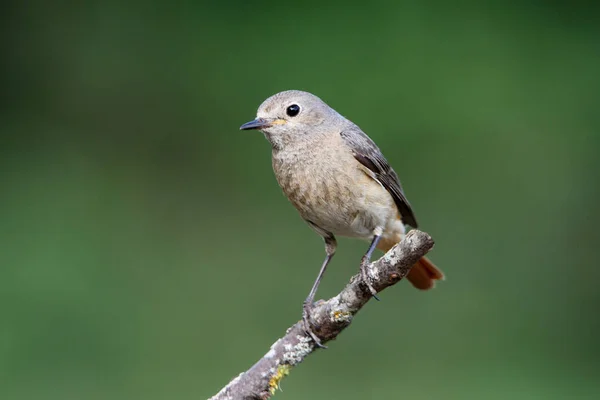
(329, 319)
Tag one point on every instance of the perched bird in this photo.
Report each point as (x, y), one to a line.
(338, 180)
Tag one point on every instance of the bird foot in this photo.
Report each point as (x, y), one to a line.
(364, 264)
(306, 310)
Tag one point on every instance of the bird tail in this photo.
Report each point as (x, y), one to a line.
(423, 274)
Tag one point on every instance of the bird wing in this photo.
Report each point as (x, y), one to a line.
(368, 154)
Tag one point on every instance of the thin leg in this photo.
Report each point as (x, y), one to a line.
(311, 296)
(364, 263)
(330, 246)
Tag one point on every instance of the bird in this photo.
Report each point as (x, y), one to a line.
(339, 181)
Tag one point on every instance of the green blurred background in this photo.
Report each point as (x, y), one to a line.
(147, 251)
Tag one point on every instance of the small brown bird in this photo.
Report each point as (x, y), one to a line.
(339, 181)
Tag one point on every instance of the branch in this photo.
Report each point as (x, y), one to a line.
(329, 319)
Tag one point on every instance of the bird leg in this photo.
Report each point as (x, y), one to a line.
(364, 264)
(330, 246)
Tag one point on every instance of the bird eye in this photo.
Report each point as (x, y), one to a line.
(293, 110)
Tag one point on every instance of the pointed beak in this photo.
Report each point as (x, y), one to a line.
(258, 123)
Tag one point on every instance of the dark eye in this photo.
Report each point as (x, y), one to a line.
(293, 110)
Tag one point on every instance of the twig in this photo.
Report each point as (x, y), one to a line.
(329, 319)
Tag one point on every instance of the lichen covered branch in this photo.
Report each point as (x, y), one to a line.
(329, 319)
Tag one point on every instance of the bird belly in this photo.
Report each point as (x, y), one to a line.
(343, 202)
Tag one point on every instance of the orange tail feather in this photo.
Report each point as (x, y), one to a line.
(424, 274)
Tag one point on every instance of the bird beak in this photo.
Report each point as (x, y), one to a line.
(260, 123)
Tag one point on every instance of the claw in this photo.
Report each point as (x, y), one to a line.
(306, 319)
(365, 279)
